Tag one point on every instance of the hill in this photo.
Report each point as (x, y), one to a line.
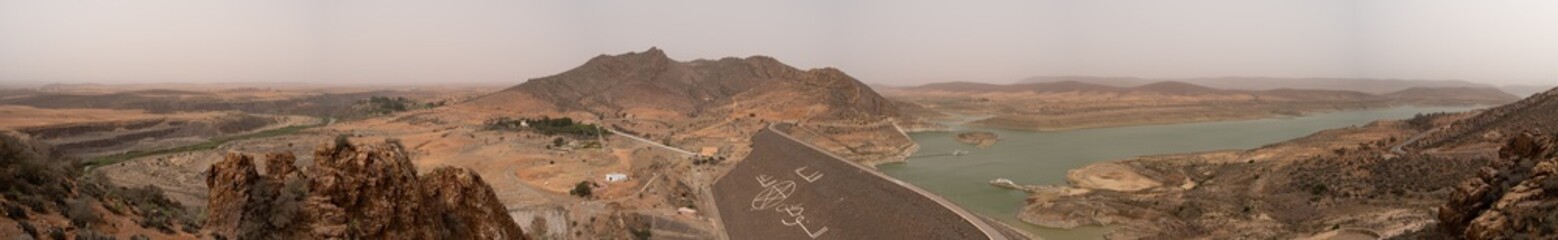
(649, 82)
(1536, 112)
(1453, 96)
(48, 196)
(708, 102)
(1374, 86)
(1524, 90)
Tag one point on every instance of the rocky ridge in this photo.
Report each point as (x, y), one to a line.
(1514, 197)
(1534, 113)
(352, 191)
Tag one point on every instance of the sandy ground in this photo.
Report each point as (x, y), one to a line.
(14, 116)
(1109, 176)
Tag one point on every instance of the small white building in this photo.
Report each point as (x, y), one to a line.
(616, 177)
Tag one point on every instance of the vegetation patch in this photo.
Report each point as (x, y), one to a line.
(208, 145)
(381, 105)
(547, 126)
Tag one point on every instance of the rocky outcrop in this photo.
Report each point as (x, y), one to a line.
(366, 191)
(1514, 197)
(450, 191)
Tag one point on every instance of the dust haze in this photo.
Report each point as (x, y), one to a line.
(879, 42)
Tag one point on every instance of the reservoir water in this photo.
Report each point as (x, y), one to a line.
(1029, 157)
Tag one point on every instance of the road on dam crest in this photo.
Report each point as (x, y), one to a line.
(787, 189)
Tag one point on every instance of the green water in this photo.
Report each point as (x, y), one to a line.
(1028, 157)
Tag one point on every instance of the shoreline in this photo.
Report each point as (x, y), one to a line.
(1137, 121)
(1265, 192)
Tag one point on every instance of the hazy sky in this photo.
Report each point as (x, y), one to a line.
(897, 42)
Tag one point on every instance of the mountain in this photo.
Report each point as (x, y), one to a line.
(1374, 86)
(650, 83)
(715, 103)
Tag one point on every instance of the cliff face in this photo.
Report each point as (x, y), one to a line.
(1514, 197)
(366, 191)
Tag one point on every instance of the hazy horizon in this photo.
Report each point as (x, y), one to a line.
(878, 42)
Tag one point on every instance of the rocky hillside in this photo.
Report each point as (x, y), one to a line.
(47, 196)
(1513, 197)
(367, 191)
(650, 83)
(1532, 113)
(714, 103)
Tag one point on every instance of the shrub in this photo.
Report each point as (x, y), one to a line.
(583, 189)
(27, 228)
(88, 234)
(56, 233)
(342, 142)
(15, 212)
(641, 233)
(80, 212)
(1318, 189)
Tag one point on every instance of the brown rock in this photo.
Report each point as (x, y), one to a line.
(452, 193)
(368, 191)
(1515, 198)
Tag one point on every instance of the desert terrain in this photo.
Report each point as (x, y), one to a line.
(605, 150)
(630, 146)
(1387, 179)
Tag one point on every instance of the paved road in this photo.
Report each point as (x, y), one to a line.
(1397, 148)
(652, 143)
(786, 189)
